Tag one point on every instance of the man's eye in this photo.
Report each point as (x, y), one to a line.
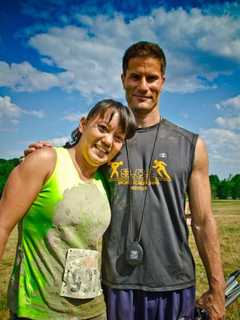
(152, 78)
(134, 76)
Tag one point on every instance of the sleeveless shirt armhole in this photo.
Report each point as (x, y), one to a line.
(193, 149)
(54, 170)
(100, 175)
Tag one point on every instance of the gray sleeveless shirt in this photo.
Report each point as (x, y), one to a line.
(167, 261)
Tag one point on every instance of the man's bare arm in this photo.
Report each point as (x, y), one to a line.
(205, 233)
(36, 146)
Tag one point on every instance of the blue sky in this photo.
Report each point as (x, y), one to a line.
(58, 57)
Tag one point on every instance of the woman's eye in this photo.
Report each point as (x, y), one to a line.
(118, 139)
(102, 128)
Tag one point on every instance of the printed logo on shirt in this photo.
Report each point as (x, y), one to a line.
(162, 155)
(161, 168)
(139, 178)
(114, 167)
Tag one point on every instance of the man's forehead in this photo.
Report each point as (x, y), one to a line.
(138, 63)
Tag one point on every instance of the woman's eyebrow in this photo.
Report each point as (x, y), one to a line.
(109, 118)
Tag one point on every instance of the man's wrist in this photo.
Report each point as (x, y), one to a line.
(217, 287)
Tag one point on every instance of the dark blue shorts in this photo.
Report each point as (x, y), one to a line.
(144, 305)
(15, 317)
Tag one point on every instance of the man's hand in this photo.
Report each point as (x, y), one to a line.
(35, 146)
(213, 302)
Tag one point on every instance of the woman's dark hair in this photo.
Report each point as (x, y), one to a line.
(127, 119)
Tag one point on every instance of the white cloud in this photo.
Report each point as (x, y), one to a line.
(230, 123)
(185, 115)
(222, 135)
(58, 141)
(230, 103)
(11, 153)
(232, 106)
(193, 41)
(10, 112)
(198, 31)
(224, 150)
(73, 117)
(36, 113)
(92, 66)
(23, 77)
(195, 44)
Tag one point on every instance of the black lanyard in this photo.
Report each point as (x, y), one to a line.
(130, 204)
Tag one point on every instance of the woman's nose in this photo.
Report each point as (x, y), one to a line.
(108, 139)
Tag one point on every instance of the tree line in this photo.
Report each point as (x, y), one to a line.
(6, 167)
(225, 189)
(221, 189)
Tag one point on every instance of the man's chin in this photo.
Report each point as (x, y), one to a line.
(137, 105)
(141, 108)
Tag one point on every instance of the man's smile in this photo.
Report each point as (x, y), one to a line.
(142, 97)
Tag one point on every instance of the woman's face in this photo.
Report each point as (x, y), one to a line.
(102, 138)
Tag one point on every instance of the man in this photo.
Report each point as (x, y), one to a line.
(148, 270)
(158, 166)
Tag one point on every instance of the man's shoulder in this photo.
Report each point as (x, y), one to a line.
(178, 130)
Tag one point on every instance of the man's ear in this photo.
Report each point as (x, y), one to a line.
(163, 81)
(123, 78)
(82, 124)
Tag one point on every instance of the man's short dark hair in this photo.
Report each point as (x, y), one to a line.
(144, 49)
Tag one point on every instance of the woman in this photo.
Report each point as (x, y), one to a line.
(57, 197)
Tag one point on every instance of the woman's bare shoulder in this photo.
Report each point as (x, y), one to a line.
(40, 160)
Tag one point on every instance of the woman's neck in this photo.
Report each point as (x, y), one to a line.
(85, 171)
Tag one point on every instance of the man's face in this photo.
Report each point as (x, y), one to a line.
(143, 82)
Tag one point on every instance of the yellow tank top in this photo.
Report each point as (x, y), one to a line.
(67, 213)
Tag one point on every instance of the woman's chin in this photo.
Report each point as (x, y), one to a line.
(98, 161)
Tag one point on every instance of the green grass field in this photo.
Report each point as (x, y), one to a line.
(227, 215)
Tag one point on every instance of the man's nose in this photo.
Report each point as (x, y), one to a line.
(143, 85)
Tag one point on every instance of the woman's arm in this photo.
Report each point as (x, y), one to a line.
(22, 187)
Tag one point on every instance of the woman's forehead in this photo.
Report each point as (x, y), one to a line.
(112, 118)
(108, 115)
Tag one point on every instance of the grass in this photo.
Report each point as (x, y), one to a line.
(5, 271)
(227, 213)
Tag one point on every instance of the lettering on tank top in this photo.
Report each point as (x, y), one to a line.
(139, 178)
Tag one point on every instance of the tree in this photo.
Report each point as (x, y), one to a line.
(224, 189)
(214, 183)
(235, 182)
(6, 167)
